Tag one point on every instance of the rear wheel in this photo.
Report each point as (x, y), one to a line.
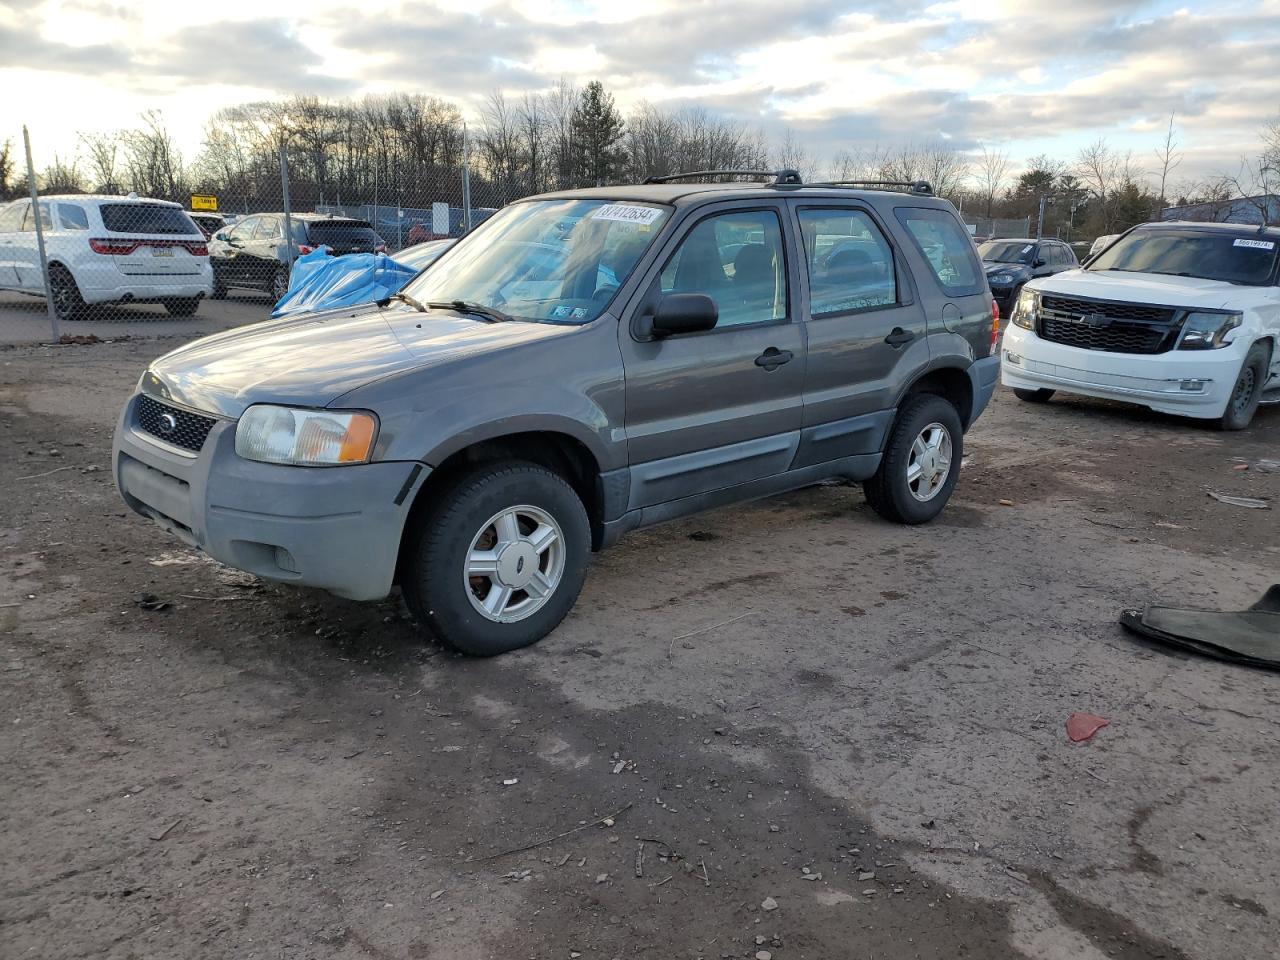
(185, 307)
(921, 462)
(499, 560)
(1248, 389)
(68, 304)
(1033, 396)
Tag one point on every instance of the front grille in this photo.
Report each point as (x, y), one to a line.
(186, 430)
(1110, 327)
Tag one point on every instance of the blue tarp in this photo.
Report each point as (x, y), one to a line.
(321, 282)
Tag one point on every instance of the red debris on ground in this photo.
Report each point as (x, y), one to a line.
(1082, 726)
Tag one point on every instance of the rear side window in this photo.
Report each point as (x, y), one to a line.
(146, 218)
(73, 217)
(947, 248)
(29, 221)
(850, 262)
(340, 232)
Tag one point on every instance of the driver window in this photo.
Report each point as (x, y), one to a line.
(737, 260)
(244, 229)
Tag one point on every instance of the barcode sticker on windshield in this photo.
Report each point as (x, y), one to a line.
(627, 213)
(1256, 244)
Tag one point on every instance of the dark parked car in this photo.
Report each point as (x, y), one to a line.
(477, 435)
(1011, 263)
(254, 254)
(209, 223)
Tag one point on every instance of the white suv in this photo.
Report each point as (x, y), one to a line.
(106, 250)
(1183, 318)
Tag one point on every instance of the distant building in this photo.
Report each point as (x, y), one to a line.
(1240, 210)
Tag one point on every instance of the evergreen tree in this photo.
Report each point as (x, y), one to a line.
(597, 131)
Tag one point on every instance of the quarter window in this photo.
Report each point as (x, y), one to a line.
(946, 247)
(850, 262)
(73, 217)
(737, 260)
(29, 222)
(268, 227)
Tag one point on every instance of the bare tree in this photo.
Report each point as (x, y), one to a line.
(941, 165)
(499, 145)
(6, 168)
(102, 152)
(858, 163)
(152, 162)
(62, 177)
(991, 175)
(1168, 156)
(793, 155)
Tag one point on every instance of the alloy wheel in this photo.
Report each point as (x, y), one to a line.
(514, 564)
(929, 464)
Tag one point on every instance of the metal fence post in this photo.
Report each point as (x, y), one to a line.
(289, 245)
(466, 180)
(44, 259)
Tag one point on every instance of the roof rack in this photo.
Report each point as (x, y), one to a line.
(911, 186)
(781, 178)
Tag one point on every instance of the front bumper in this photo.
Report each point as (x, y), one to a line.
(1189, 383)
(336, 528)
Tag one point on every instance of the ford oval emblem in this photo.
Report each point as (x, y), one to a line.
(168, 423)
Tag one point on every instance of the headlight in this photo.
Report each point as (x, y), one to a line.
(1004, 279)
(1204, 331)
(1024, 313)
(305, 438)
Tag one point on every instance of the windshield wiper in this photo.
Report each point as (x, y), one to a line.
(405, 298)
(489, 314)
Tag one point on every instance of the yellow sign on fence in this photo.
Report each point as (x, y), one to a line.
(204, 203)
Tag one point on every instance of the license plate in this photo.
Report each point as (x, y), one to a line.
(162, 251)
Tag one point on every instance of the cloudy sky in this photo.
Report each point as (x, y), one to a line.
(1028, 76)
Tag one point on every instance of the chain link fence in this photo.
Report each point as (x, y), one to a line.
(68, 255)
(997, 228)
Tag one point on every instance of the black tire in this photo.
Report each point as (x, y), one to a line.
(435, 589)
(278, 286)
(889, 491)
(1247, 392)
(68, 304)
(185, 307)
(1033, 396)
(219, 286)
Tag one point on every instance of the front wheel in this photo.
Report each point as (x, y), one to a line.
(1247, 392)
(279, 283)
(499, 560)
(921, 462)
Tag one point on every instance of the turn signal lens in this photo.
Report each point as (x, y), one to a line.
(995, 327)
(306, 438)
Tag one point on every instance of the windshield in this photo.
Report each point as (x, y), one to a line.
(1007, 251)
(558, 261)
(1244, 258)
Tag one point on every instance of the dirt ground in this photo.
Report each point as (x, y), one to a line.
(813, 734)
(25, 319)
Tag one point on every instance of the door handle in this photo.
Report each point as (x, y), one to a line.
(899, 337)
(773, 358)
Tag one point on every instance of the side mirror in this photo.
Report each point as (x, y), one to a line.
(220, 235)
(1040, 262)
(684, 313)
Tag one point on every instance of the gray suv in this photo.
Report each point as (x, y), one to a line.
(582, 364)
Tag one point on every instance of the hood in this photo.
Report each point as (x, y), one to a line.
(313, 359)
(1146, 288)
(992, 267)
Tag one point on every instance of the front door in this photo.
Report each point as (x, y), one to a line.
(710, 410)
(10, 234)
(866, 329)
(229, 256)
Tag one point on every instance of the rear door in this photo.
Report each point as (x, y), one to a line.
(710, 410)
(950, 283)
(865, 328)
(27, 250)
(10, 235)
(260, 258)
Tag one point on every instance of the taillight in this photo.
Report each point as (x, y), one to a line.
(304, 249)
(198, 249)
(113, 248)
(380, 248)
(995, 327)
